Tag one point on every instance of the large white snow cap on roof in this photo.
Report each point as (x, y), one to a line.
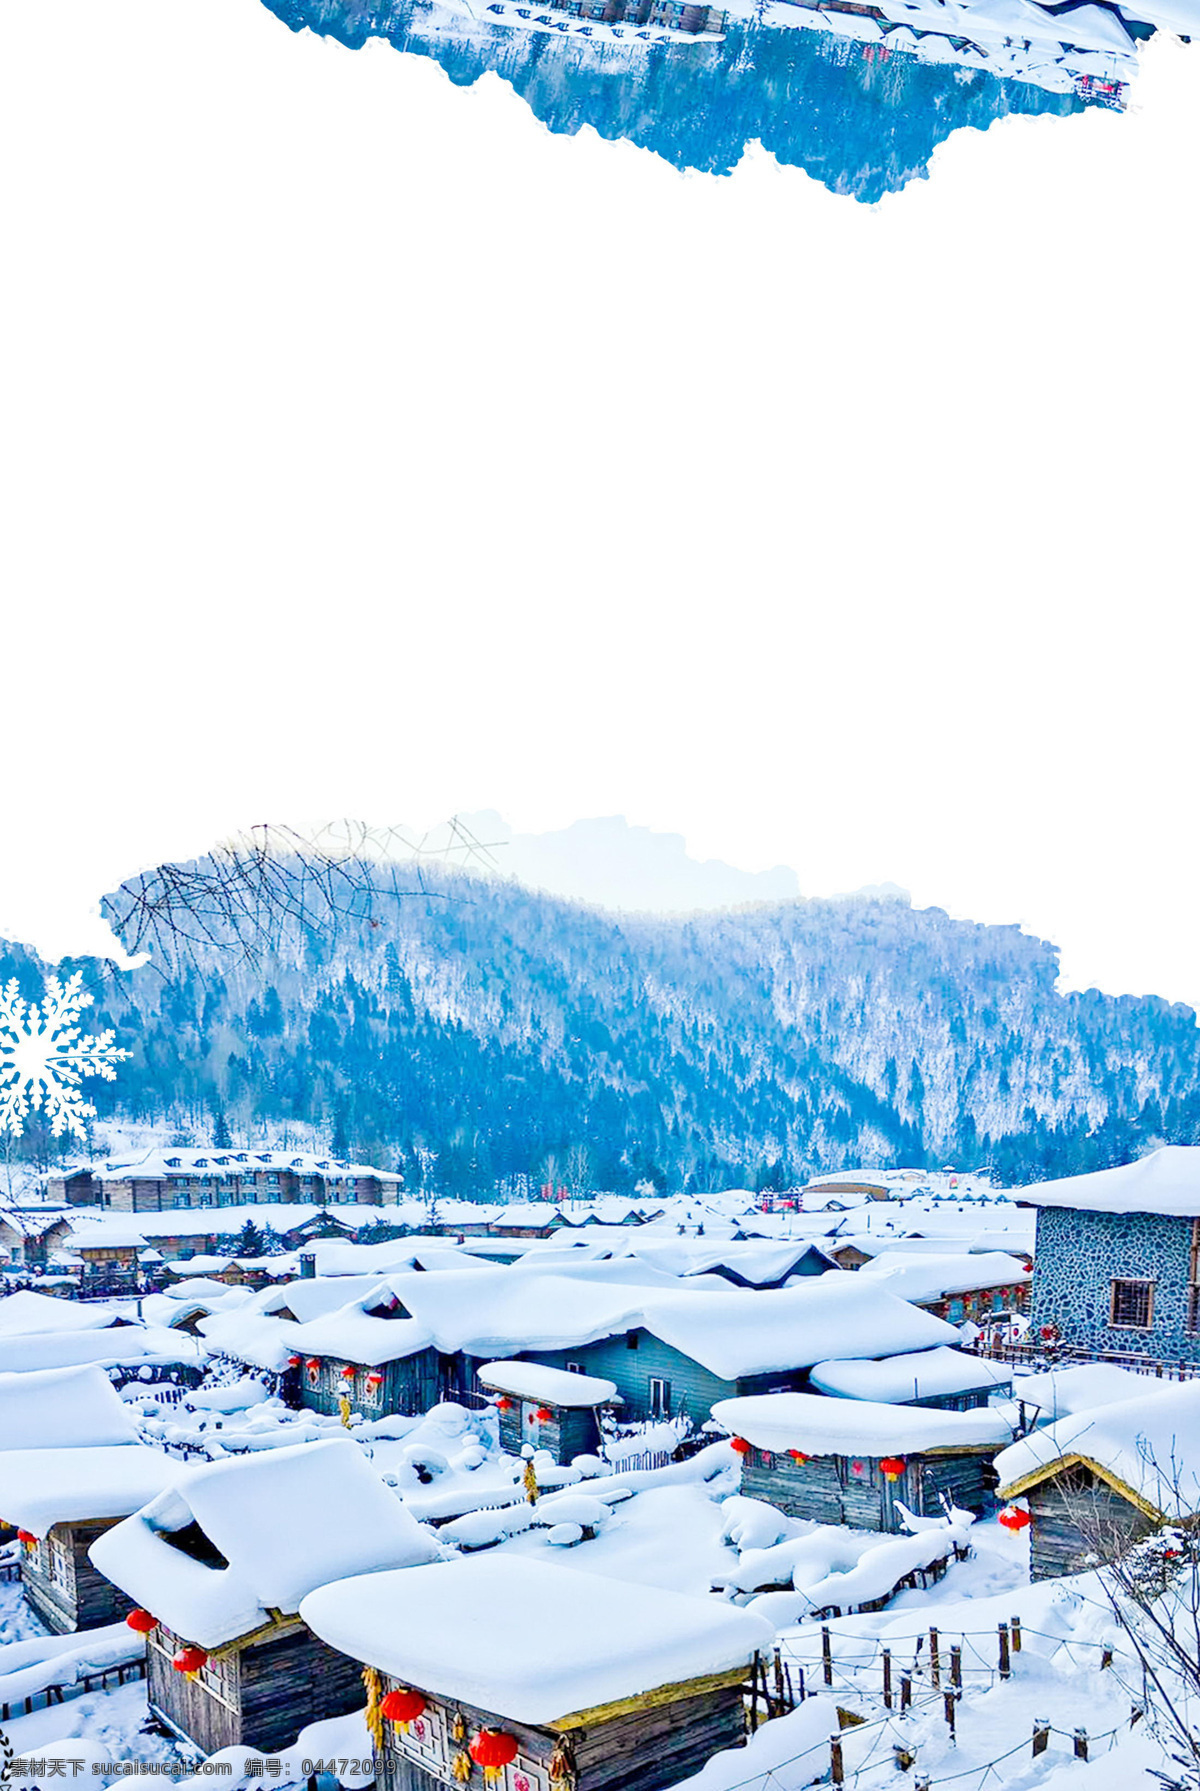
(1060, 1392)
(1150, 1445)
(43, 1487)
(777, 1422)
(285, 1521)
(919, 1374)
(935, 1276)
(62, 1408)
(26, 1314)
(1167, 1181)
(839, 1314)
(554, 1386)
(531, 1642)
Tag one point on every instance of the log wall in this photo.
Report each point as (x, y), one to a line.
(63, 1587)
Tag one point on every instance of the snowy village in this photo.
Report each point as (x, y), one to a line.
(884, 1481)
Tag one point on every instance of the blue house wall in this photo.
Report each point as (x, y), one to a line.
(1080, 1254)
(693, 1389)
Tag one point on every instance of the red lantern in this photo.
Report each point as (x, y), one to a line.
(892, 1467)
(402, 1705)
(493, 1749)
(798, 1456)
(314, 1367)
(1014, 1518)
(28, 1538)
(142, 1621)
(190, 1660)
(740, 1446)
(504, 1403)
(347, 1373)
(293, 1361)
(375, 1381)
(544, 1415)
(1027, 1268)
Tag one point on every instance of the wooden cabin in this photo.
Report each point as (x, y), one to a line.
(60, 1583)
(548, 1408)
(464, 1643)
(1101, 1479)
(221, 1567)
(851, 1461)
(409, 1384)
(72, 1466)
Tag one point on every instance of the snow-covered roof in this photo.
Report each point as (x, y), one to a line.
(112, 1346)
(1150, 1445)
(920, 1374)
(43, 1487)
(1060, 1392)
(1166, 1181)
(60, 1408)
(528, 1641)
(285, 1522)
(778, 1422)
(493, 1315)
(26, 1314)
(933, 1277)
(167, 1161)
(552, 1386)
(835, 1315)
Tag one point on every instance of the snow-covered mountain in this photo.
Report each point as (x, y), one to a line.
(481, 1034)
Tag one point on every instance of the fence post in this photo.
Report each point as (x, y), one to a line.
(902, 1759)
(1014, 1625)
(905, 1690)
(1005, 1661)
(837, 1774)
(1081, 1744)
(935, 1664)
(826, 1655)
(1106, 1658)
(780, 1706)
(956, 1665)
(948, 1703)
(1041, 1735)
(887, 1678)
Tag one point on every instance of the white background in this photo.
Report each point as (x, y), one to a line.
(864, 540)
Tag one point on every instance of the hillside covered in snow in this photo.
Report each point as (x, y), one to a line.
(480, 1035)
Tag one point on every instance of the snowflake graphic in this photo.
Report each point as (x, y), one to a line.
(44, 1057)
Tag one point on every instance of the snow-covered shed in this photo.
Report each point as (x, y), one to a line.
(30, 1314)
(222, 1561)
(71, 1465)
(689, 1350)
(549, 1408)
(1101, 1479)
(948, 1379)
(850, 1461)
(975, 1285)
(551, 1680)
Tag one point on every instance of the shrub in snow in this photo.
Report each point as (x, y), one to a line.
(418, 1457)
(572, 1508)
(752, 1523)
(480, 1529)
(590, 1466)
(565, 1535)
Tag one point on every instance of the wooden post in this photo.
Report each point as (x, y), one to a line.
(780, 1706)
(948, 1703)
(826, 1655)
(956, 1666)
(1041, 1735)
(1081, 1744)
(837, 1773)
(1014, 1626)
(935, 1664)
(905, 1690)
(902, 1759)
(1005, 1660)
(1106, 1658)
(887, 1678)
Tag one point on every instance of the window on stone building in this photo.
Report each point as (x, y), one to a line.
(1132, 1305)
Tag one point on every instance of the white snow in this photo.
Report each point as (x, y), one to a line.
(1166, 1181)
(777, 1422)
(529, 1641)
(62, 1408)
(25, 1314)
(43, 1487)
(1150, 1444)
(285, 1522)
(552, 1386)
(920, 1374)
(1059, 1392)
(937, 1276)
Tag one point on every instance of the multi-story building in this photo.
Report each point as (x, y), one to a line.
(177, 1178)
